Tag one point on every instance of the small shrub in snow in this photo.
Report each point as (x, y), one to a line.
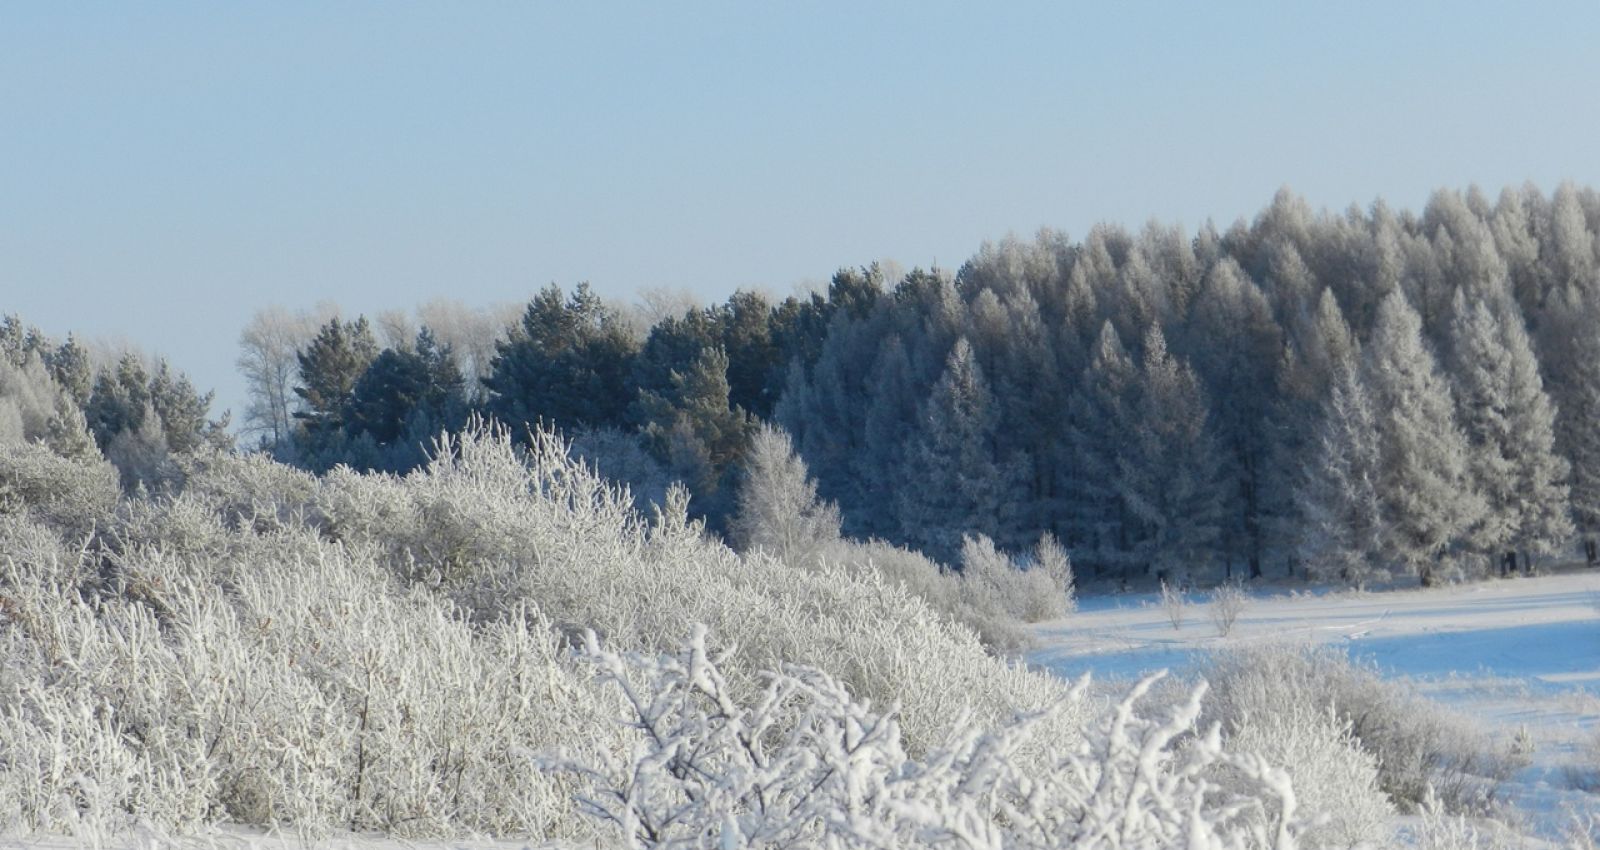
(803, 764)
(1228, 601)
(1028, 592)
(1173, 605)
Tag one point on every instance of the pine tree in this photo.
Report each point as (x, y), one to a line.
(330, 366)
(1510, 429)
(1425, 484)
(568, 363)
(695, 431)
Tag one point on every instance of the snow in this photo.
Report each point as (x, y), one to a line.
(1520, 653)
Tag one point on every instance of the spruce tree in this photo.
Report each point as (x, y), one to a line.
(1099, 414)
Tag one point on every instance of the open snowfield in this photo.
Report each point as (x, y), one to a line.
(1521, 653)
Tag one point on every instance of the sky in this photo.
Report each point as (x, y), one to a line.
(168, 169)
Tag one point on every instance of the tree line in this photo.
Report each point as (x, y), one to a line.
(1345, 395)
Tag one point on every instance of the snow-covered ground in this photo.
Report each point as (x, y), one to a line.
(1521, 653)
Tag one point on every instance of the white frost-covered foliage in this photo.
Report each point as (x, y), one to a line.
(381, 653)
(1333, 777)
(1028, 591)
(779, 511)
(940, 588)
(804, 764)
(496, 526)
(1417, 744)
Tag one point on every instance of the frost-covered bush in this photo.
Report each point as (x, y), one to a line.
(1029, 591)
(1334, 779)
(73, 496)
(938, 588)
(1228, 601)
(311, 692)
(804, 764)
(1174, 605)
(495, 525)
(1418, 744)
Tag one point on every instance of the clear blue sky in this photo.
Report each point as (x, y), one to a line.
(166, 169)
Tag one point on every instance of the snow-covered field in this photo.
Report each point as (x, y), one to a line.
(1516, 654)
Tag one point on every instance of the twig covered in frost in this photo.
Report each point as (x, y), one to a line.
(805, 765)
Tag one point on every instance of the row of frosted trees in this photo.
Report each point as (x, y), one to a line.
(1346, 395)
(1349, 395)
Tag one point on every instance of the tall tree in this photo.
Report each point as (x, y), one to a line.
(268, 359)
(1340, 515)
(1099, 412)
(698, 434)
(1510, 429)
(961, 484)
(778, 508)
(1170, 476)
(1427, 491)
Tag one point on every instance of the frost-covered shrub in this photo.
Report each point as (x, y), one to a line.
(941, 590)
(1174, 605)
(1418, 744)
(73, 496)
(311, 692)
(252, 489)
(1228, 601)
(380, 652)
(1027, 591)
(1334, 779)
(804, 764)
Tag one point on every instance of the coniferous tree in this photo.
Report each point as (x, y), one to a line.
(1427, 490)
(960, 485)
(1510, 428)
(1236, 347)
(1340, 515)
(567, 363)
(1100, 412)
(698, 435)
(1170, 476)
(120, 400)
(1572, 359)
(403, 400)
(330, 366)
(184, 413)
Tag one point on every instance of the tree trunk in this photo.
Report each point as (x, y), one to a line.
(1589, 550)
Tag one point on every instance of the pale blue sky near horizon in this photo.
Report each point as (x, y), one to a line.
(168, 169)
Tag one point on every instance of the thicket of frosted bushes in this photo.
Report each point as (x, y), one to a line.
(374, 652)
